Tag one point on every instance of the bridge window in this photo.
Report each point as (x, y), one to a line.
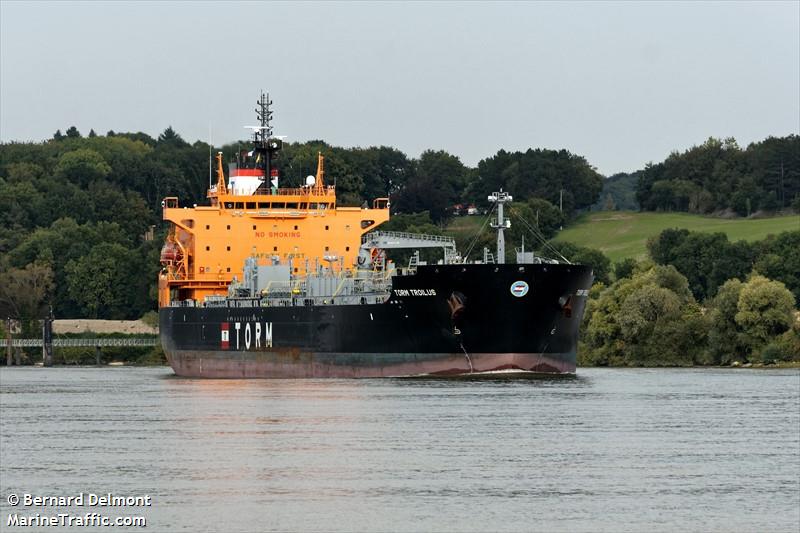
(291, 205)
(366, 223)
(263, 205)
(251, 205)
(228, 205)
(278, 205)
(239, 205)
(303, 205)
(312, 205)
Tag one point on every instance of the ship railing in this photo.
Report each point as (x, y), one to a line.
(446, 241)
(283, 289)
(330, 190)
(376, 275)
(243, 302)
(368, 297)
(183, 303)
(297, 288)
(178, 276)
(278, 302)
(377, 286)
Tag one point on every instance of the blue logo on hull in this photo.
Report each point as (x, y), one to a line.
(519, 289)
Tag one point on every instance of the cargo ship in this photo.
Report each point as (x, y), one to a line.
(281, 282)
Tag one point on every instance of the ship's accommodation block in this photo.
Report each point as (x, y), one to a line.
(303, 227)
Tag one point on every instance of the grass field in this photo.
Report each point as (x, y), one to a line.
(463, 229)
(621, 234)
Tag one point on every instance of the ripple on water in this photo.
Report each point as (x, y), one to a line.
(608, 450)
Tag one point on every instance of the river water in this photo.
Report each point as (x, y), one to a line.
(609, 450)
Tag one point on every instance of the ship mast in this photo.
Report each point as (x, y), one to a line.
(501, 224)
(260, 136)
(265, 145)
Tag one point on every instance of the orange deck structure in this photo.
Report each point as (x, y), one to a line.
(207, 245)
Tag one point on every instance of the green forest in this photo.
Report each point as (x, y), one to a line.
(719, 176)
(80, 221)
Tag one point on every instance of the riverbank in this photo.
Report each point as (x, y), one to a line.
(780, 364)
(81, 325)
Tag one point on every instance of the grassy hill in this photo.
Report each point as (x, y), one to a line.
(463, 229)
(621, 234)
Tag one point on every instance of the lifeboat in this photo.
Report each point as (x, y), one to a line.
(170, 253)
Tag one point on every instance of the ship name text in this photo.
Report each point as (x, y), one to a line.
(415, 292)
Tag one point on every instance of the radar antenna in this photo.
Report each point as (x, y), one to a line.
(264, 114)
(264, 144)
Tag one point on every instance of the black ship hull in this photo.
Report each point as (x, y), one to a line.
(443, 320)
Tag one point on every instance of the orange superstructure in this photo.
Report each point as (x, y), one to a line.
(249, 216)
(207, 245)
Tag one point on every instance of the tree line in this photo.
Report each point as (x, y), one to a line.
(718, 176)
(437, 180)
(80, 215)
(79, 220)
(75, 210)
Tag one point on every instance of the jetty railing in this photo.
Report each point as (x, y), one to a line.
(63, 343)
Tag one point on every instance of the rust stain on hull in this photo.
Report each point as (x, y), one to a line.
(295, 363)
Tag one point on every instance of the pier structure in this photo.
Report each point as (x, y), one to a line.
(47, 343)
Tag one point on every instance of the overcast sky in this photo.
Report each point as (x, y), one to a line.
(619, 83)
